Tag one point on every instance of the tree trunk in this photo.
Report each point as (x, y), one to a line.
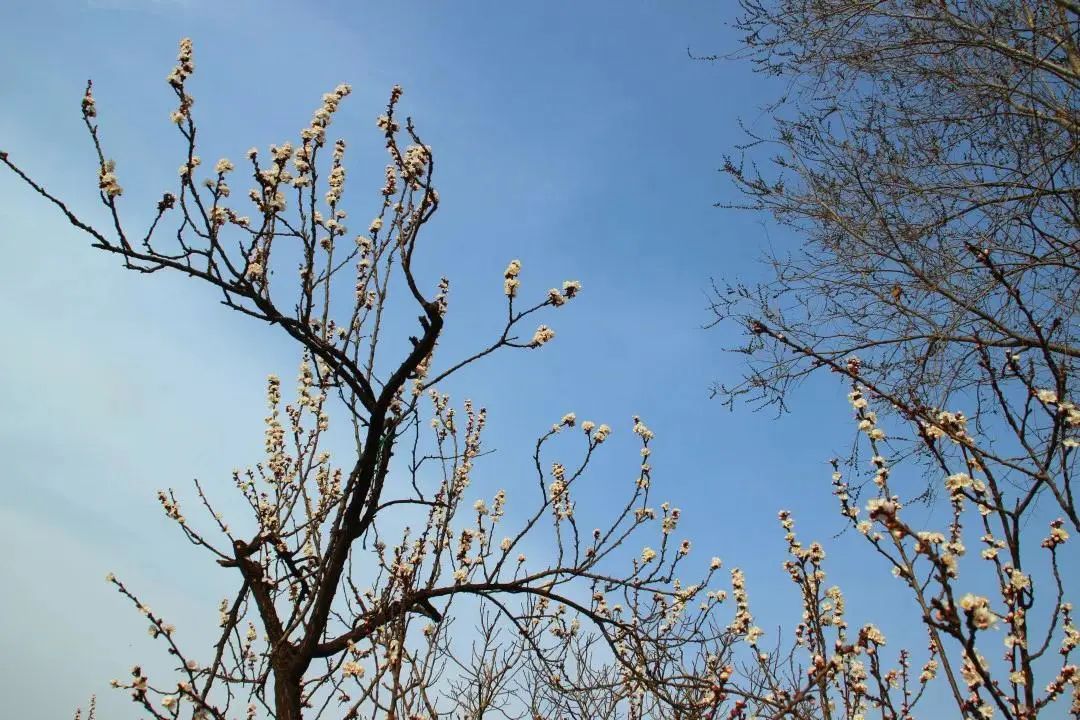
(287, 705)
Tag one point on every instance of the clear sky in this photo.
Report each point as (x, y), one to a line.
(579, 137)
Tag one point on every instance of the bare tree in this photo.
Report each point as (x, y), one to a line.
(346, 574)
(927, 154)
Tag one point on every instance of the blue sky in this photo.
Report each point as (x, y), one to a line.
(578, 137)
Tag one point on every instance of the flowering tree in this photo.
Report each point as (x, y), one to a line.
(1000, 648)
(347, 573)
(926, 159)
(379, 587)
